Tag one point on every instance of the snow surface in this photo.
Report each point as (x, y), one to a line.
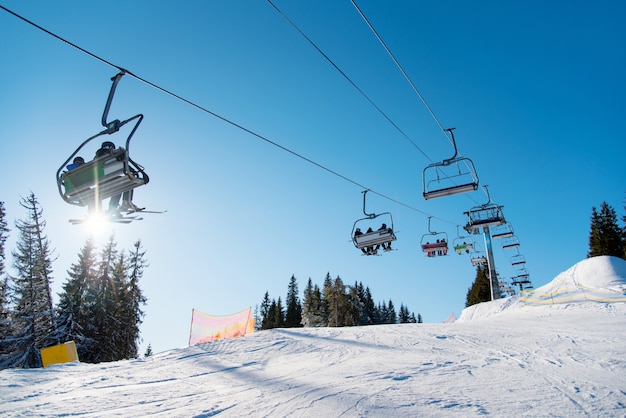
(502, 358)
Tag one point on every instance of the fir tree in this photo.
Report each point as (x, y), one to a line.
(480, 290)
(392, 317)
(404, 316)
(327, 289)
(312, 306)
(293, 315)
(132, 314)
(32, 324)
(354, 307)
(5, 295)
(279, 315)
(605, 236)
(337, 300)
(370, 312)
(71, 310)
(4, 235)
(100, 306)
(265, 312)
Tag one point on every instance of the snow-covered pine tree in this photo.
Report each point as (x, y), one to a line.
(293, 315)
(337, 300)
(5, 296)
(101, 305)
(354, 306)
(32, 322)
(605, 236)
(313, 311)
(132, 314)
(72, 315)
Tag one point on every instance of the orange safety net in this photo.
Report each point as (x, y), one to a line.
(205, 327)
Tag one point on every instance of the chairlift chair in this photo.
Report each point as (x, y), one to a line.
(106, 176)
(461, 244)
(451, 176)
(511, 242)
(478, 258)
(439, 244)
(486, 215)
(370, 241)
(502, 231)
(518, 260)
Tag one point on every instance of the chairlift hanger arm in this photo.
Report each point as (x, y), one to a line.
(456, 152)
(369, 215)
(114, 125)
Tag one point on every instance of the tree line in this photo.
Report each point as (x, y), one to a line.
(99, 308)
(606, 237)
(334, 305)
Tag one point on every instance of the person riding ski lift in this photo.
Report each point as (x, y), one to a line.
(127, 205)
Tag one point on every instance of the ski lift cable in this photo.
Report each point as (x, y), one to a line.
(406, 76)
(222, 118)
(314, 45)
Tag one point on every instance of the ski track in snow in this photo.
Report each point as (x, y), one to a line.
(508, 360)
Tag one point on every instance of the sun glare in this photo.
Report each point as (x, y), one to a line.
(97, 223)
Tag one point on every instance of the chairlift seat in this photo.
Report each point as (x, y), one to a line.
(502, 235)
(449, 191)
(435, 249)
(374, 238)
(100, 178)
(460, 248)
(479, 261)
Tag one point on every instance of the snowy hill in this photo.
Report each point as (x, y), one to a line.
(513, 357)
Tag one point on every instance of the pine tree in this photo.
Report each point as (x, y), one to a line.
(605, 236)
(354, 307)
(100, 306)
(293, 316)
(480, 290)
(132, 314)
(419, 318)
(5, 295)
(148, 352)
(327, 289)
(403, 315)
(337, 300)
(312, 306)
(71, 312)
(279, 315)
(265, 312)
(32, 324)
(370, 312)
(4, 235)
(392, 317)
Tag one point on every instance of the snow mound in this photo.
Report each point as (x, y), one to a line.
(598, 279)
(601, 273)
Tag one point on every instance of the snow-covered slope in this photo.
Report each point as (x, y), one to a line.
(597, 279)
(540, 360)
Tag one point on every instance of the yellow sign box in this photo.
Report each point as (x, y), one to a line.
(62, 353)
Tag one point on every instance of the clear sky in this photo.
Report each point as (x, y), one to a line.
(535, 91)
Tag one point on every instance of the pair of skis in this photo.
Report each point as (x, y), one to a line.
(125, 217)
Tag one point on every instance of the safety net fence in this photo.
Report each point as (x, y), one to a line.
(206, 327)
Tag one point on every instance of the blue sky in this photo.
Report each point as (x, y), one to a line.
(534, 90)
